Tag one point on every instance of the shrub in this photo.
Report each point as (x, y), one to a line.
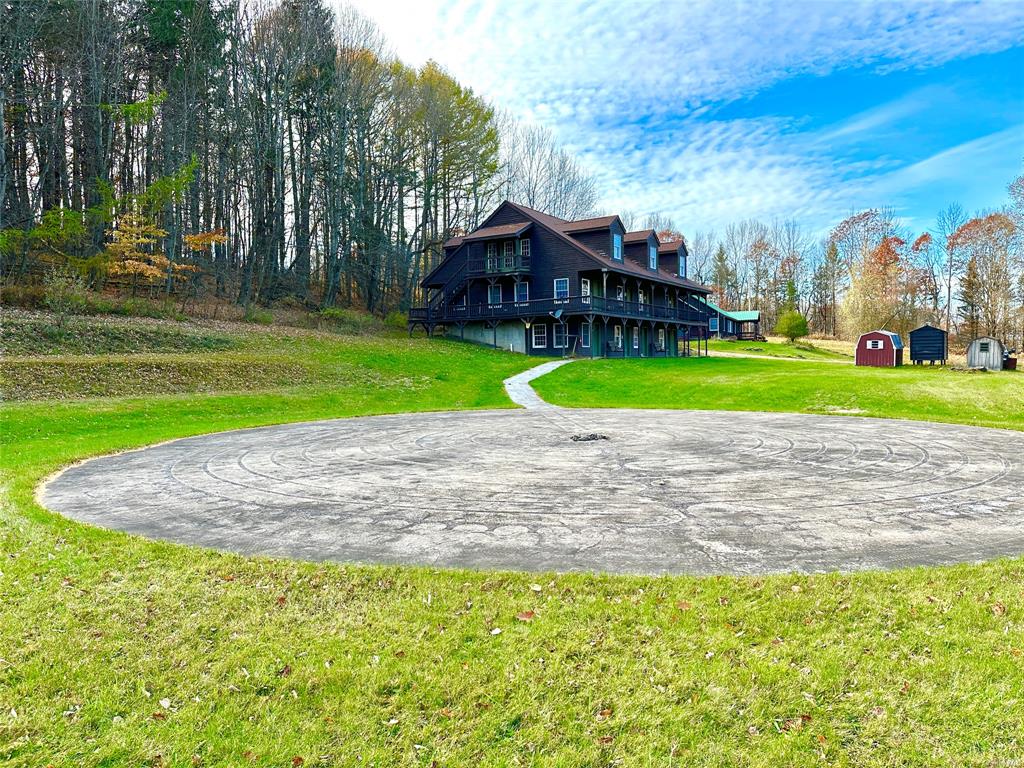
(65, 294)
(396, 320)
(24, 296)
(348, 320)
(792, 325)
(258, 316)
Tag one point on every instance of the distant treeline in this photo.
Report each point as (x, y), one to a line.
(252, 150)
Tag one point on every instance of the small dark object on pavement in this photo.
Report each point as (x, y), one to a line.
(588, 438)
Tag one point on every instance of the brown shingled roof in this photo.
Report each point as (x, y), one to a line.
(639, 236)
(625, 266)
(599, 222)
(501, 230)
(670, 247)
(453, 242)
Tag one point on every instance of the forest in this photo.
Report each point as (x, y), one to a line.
(273, 152)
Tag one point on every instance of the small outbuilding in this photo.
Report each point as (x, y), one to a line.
(985, 352)
(928, 344)
(882, 349)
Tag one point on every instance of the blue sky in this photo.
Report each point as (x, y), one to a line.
(712, 112)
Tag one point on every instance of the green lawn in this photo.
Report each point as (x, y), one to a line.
(118, 651)
(743, 384)
(801, 350)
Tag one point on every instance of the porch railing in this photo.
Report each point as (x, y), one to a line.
(575, 305)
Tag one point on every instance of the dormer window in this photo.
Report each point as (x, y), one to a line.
(682, 265)
(652, 257)
(617, 246)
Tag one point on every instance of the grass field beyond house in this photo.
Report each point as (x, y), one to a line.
(930, 393)
(117, 651)
(801, 350)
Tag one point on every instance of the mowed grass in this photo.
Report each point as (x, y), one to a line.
(992, 399)
(117, 651)
(800, 350)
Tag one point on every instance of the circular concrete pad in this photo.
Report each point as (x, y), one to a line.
(668, 491)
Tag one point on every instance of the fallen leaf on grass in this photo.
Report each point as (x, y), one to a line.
(496, 631)
(526, 616)
(683, 605)
(284, 671)
(606, 740)
(535, 587)
(282, 600)
(998, 609)
(297, 761)
(445, 712)
(795, 723)
(604, 714)
(159, 716)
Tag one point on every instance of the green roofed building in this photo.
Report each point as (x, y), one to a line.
(744, 325)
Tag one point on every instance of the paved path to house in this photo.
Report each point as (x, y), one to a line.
(666, 491)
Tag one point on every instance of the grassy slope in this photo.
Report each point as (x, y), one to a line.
(935, 394)
(261, 661)
(800, 350)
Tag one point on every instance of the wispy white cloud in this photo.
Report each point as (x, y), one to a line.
(633, 88)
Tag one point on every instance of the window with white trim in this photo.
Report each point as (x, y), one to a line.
(560, 336)
(620, 293)
(561, 287)
(636, 337)
(617, 336)
(682, 265)
(522, 291)
(585, 286)
(617, 246)
(524, 248)
(492, 257)
(540, 336)
(661, 338)
(585, 335)
(641, 296)
(713, 324)
(494, 294)
(983, 346)
(510, 254)
(652, 256)
(874, 343)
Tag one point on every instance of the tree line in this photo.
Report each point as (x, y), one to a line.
(253, 150)
(964, 274)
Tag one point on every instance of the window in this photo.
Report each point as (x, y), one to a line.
(620, 293)
(561, 287)
(585, 287)
(510, 254)
(874, 344)
(983, 346)
(661, 338)
(492, 257)
(585, 335)
(617, 337)
(494, 294)
(641, 296)
(652, 256)
(560, 336)
(522, 291)
(682, 265)
(636, 337)
(540, 336)
(617, 246)
(524, 248)
(713, 324)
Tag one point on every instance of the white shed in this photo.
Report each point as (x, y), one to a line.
(985, 352)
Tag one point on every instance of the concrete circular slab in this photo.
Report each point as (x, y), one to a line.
(666, 492)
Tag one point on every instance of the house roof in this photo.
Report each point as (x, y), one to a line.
(599, 222)
(501, 230)
(736, 315)
(638, 236)
(897, 342)
(453, 242)
(670, 247)
(625, 266)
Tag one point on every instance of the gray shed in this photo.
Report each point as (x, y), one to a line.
(985, 352)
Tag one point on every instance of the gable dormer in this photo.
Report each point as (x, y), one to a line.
(603, 234)
(674, 258)
(642, 248)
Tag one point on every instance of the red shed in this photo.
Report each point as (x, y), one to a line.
(882, 349)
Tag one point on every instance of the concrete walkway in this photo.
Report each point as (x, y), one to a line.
(519, 389)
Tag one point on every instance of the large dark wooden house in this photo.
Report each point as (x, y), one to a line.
(534, 283)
